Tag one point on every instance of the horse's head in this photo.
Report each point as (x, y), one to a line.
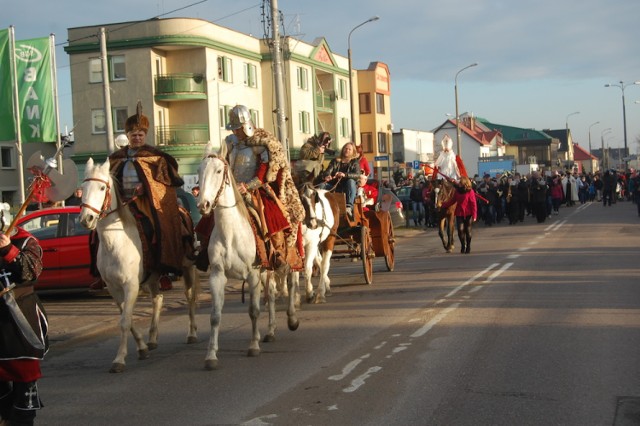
(213, 175)
(96, 193)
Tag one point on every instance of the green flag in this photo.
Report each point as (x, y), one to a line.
(35, 90)
(7, 122)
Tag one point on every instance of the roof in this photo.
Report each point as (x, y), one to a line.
(517, 135)
(562, 135)
(480, 133)
(581, 154)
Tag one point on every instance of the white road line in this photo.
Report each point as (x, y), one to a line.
(359, 381)
(498, 272)
(472, 279)
(436, 319)
(348, 368)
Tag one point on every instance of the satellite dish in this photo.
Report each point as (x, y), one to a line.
(121, 141)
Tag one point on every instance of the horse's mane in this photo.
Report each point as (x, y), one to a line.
(242, 207)
(447, 191)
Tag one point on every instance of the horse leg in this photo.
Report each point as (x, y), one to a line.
(452, 223)
(191, 290)
(217, 282)
(324, 285)
(441, 228)
(254, 312)
(268, 279)
(293, 280)
(156, 302)
(126, 301)
(311, 252)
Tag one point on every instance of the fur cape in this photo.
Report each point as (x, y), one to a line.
(279, 172)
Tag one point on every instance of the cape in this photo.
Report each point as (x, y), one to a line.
(158, 172)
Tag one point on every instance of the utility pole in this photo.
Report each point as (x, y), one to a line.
(281, 119)
(106, 91)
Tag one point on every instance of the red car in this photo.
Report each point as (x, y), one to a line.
(65, 247)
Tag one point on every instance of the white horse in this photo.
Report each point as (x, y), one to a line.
(119, 261)
(232, 252)
(318, 248)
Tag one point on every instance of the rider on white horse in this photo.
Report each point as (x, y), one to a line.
(148, 178)
(261, 170)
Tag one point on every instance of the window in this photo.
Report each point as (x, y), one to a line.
(304, 119)
(379, 103)
(365, 103)
(344, 128)
(8, 157)
(342, 89)
(302, 78)
(118, 68)
(119, 118)
(98, 121)
(224, 115)
(255, 117)
(95, 70)
(367, 141)
(225, 69)
(250, 75)
(382, 142)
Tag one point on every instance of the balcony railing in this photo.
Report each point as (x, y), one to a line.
(181, 86)
(187, 134)
(325, 100)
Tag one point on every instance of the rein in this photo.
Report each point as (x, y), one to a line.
(225, 181)
(102, 213)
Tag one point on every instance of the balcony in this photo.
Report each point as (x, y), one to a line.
(325, 101)
(180, 87)
(187, 134)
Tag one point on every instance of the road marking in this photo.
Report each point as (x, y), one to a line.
(349, 368)
(472, 279)
(499, 272)
(513, 256)
(436, 319)
(360, 380)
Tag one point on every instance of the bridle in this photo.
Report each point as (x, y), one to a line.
(225, 181)
(107, 200)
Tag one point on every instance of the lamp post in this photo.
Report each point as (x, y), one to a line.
(597, 122)
(458, 150)
(623, 86)
(353, 104)
(605, 131)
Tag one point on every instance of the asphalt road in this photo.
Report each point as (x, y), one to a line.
(539, 325)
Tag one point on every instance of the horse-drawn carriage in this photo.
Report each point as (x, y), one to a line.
(369, 233)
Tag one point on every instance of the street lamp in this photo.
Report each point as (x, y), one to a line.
(604, 132)
(458, 150)
(353, 104)
(569, 155)
(623, 86)
(597, 122)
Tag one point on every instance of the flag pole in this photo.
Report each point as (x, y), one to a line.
(56, 107)
(16, 111)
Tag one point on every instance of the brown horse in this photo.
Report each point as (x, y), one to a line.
(446, 216)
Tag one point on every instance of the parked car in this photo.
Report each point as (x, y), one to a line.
(65, 248)
(388, 201)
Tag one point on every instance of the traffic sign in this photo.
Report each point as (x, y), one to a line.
(416, 164)
(381, 158)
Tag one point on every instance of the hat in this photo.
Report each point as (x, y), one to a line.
(139, 121)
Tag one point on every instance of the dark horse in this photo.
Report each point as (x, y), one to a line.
(446, 216)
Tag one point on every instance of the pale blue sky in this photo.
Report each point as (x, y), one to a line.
(539, 60)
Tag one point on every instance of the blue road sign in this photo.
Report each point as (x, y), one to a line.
(381, 158)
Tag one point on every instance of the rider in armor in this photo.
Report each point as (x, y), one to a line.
(148, 181)
(261, 170)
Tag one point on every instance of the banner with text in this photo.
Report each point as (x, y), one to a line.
(35, 90)
(7, 122)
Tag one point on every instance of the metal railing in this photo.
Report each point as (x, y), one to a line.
(186, 134)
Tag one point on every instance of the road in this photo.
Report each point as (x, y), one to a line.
(539, 325)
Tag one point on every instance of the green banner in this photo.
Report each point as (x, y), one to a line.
(35, 90)
(7, 123)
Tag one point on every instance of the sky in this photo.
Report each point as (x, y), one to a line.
(539, 61)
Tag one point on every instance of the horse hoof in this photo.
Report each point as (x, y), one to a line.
(319, 299)
(253, 352)
(293, 325)
(143, 354)
(211, 364)
(116, 367)
(192, 339)
(268, 338)
(152, 346)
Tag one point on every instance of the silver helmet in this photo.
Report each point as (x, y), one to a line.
(239, 116)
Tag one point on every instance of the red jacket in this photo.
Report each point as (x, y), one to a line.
(465, 202)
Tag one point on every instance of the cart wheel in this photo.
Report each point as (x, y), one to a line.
(366, 254)
(390, 247)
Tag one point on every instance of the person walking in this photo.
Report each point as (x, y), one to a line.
(466, 211)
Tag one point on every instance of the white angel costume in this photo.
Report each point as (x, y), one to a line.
(446, 162)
